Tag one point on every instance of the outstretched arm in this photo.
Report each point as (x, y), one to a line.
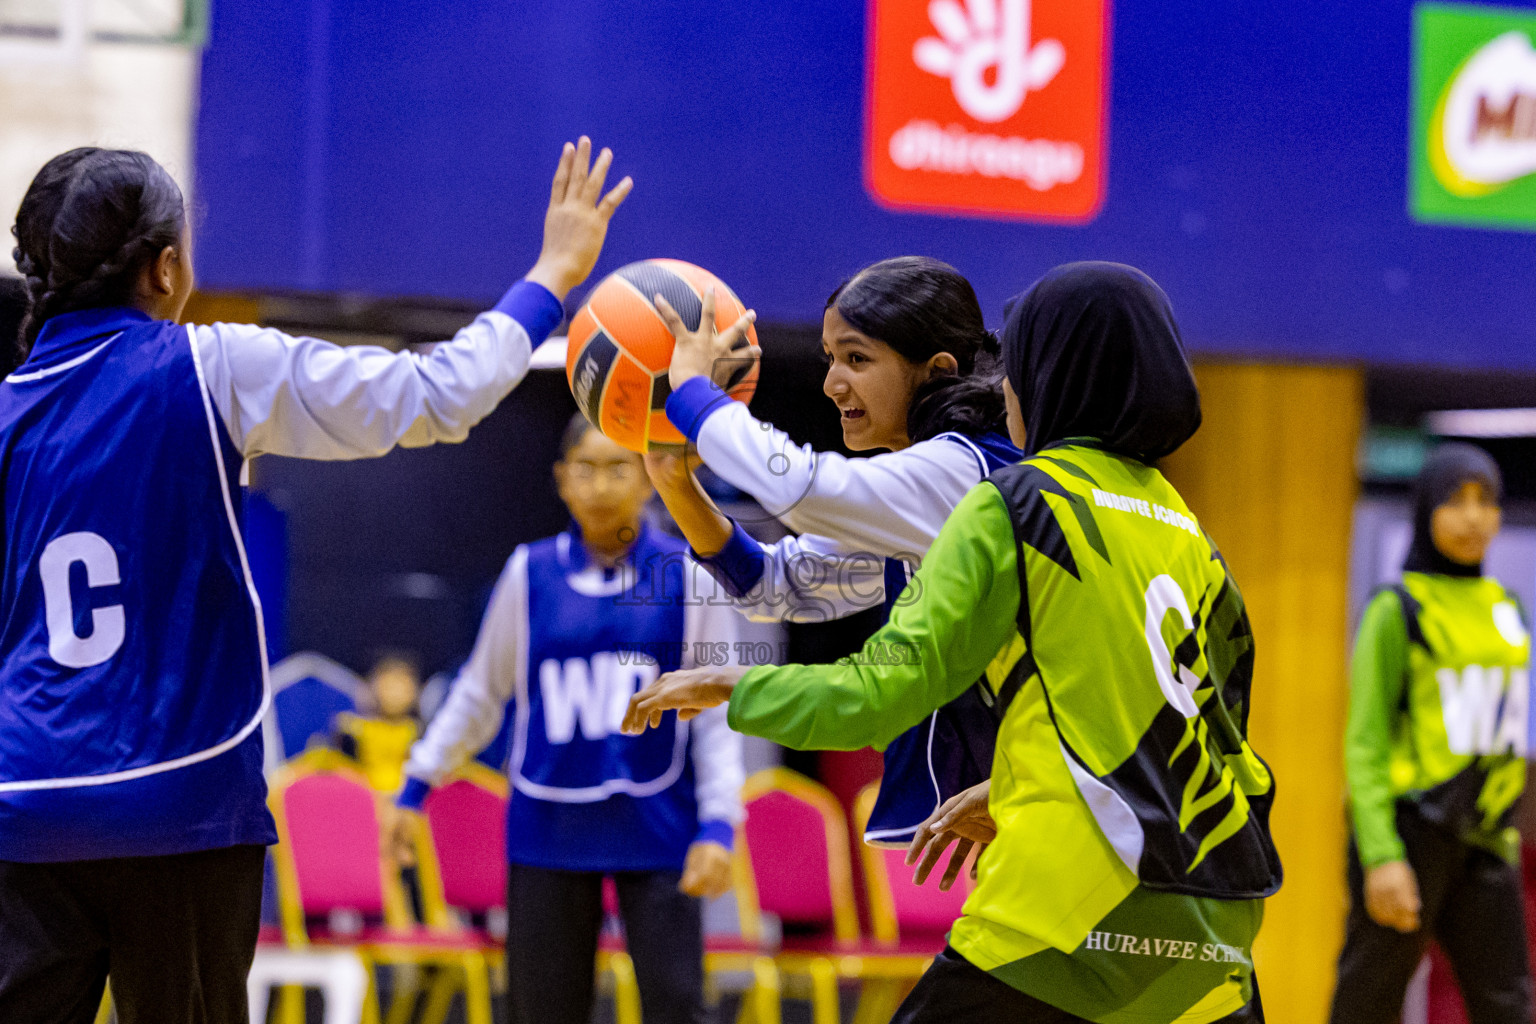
(704, 526)
(308, 398)
(953, 618)
(472, 715)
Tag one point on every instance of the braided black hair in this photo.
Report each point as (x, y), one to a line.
(88, 224)
(13, 309)
(921, 307)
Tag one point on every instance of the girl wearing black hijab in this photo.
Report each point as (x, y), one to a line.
(1132, 851)
(1435, 761)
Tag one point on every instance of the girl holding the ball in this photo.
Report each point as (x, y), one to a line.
(133, 667)
(1132, 856)
(912, 370)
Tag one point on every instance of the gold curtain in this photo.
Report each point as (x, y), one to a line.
(1272, 477)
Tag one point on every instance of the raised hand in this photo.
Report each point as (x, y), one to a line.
(577, 220)
(964, 820)
(706, 352)
(687, 691)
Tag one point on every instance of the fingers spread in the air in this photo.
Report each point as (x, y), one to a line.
(634, 718)
(615, 197)
(562, 173)
(594, 183)
(707, 315)
(579, 167)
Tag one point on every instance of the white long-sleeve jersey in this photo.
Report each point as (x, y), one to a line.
(890, 505)
(303, 397)
(562, 647)
(852, 514)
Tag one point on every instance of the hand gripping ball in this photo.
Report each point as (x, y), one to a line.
(619, 349)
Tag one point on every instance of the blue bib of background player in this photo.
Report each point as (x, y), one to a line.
(594, 640)
(585, 796)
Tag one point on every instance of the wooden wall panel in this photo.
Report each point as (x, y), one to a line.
(1272, 477)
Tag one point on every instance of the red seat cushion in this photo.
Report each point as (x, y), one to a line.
(469, 834)
(467, 940)
(732, 944)
(827, 944)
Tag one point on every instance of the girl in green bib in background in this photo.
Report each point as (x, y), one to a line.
(1435, 762)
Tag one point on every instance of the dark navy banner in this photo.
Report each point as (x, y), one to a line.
(1253, 158)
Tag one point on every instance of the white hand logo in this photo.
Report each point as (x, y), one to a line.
(982, 40)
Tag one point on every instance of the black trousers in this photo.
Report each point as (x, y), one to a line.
(553, 921)
(955, 991)
(176, 934)
(1472, 906)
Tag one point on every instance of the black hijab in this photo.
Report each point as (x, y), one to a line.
(1445, 470)
(1092, 351)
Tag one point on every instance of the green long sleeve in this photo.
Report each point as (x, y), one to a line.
(948, 625)
(1378, 675)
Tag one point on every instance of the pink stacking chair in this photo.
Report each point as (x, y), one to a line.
(796, 851)
(467, 819)
(903, 916)
(912, 922)
(333, 864)
(465, 869)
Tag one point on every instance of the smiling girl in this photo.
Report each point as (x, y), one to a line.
(912, 371)
(1132, 854)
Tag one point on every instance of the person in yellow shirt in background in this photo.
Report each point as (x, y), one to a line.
(381, 742)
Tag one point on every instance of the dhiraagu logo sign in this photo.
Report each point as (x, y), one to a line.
(1474, 116)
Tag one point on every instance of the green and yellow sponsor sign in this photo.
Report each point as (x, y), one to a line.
(1474, 116)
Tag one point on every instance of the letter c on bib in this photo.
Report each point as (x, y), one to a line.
(108, 625)
(1163, 596)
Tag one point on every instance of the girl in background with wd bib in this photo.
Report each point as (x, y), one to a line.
(1435, 760)
(133, 811)
(578, 623)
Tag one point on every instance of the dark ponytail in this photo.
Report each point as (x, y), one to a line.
(13, 310)
(88, 224)
(921, 307)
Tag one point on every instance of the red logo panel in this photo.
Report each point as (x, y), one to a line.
(989, 107)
